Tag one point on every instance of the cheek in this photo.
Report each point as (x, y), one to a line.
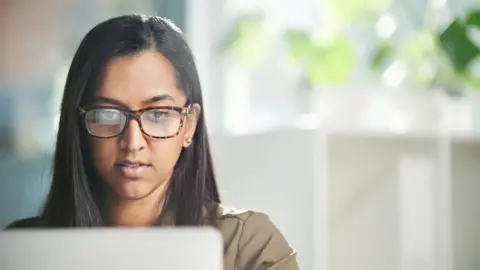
(165, 153)
(104, 153)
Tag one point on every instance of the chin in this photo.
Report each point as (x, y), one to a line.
(133, 190)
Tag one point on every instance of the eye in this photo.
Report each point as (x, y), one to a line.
(157, 115)
(107, 115)
(104, 116)
(160, 114)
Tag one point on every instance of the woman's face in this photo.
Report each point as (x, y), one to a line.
(133, 164)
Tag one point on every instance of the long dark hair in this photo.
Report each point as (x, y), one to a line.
(75, 195)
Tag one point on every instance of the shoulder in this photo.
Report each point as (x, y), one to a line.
(30, 222)
(246, 221)
(225, 213)
(252, 240)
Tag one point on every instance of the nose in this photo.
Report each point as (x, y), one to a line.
(132, 139)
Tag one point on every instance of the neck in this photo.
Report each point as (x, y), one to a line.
(142, 212)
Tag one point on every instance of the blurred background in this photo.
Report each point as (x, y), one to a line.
(354, 124)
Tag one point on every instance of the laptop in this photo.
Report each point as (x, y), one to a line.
(112, 248)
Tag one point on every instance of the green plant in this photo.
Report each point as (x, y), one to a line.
(324, 61)
(246, 41)
(441, 58)
(461, 48)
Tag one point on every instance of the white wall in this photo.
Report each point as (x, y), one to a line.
(366, 209)
(273, 173)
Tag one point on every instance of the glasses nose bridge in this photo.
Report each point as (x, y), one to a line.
(136, 115)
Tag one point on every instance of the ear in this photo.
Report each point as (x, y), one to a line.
(190, 125)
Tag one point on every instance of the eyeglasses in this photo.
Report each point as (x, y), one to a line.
(156, 122)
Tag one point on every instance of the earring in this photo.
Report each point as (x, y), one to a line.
(189, 140)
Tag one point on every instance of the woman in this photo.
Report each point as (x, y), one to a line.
(132, 146)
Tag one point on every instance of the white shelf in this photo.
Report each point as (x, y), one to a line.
(372, 223)
(465, 175)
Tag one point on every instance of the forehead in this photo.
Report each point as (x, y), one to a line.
(135, 78)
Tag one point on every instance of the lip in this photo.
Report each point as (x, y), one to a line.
(132, 169)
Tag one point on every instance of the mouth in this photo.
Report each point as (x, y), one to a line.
(132, 163)
(133, 169)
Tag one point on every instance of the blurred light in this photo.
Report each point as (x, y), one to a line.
(237, 97)
(385, 26)
(308, 121)
(438, 4)
(474, 67)
(398, 123)
(427, 70)
(395, 74)
(474, 34)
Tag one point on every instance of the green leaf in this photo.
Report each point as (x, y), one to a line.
(323, 63)
(298, 43)
(382, 52)
(445, 75)
(349, 11)
(472, 74)
(332, 63)
(251, 45)
(473, 82)
(246, 40)
(473, 18)
(459, 48)
(417, 45)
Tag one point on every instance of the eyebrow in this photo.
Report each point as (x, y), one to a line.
(102, 99)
